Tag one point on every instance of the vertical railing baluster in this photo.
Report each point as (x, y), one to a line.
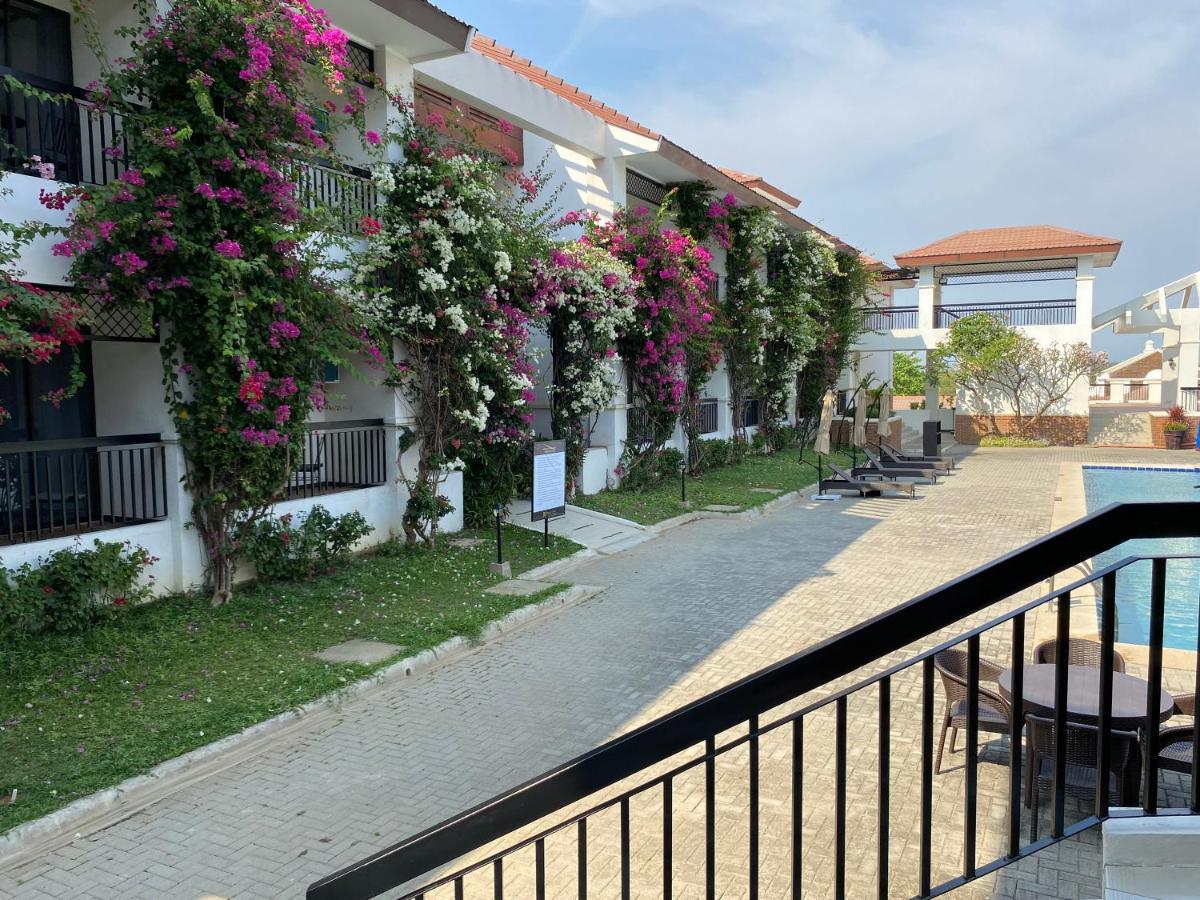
(1016, 724)
(142, 479)
(754, 778)
(885, 781)
(154, 481)
(24, 495)
(108, 461)
(624, 849)
(926, 864)
(1108, 632)
(1062, 652)
(37, 503)
(121, 462)
(970, 814)
(839, 877)
(10, 496)
(797, 805)
(539, 863)
(581, 866)
(62, 489)
(668, 865)
(498, 878)
(49, 494)
(458, 888)
(1158, 602)
(710, 818)
(75, 459)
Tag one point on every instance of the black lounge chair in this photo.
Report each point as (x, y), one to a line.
(942, 463)
(883, 468)
(844, 481)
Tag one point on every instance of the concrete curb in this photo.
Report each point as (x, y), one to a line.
(606, 517)
(99, 810)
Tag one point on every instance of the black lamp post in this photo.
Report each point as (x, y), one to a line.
(683, 481)
(499, 536)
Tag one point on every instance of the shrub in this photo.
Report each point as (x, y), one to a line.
(716, 452)
(1012, 440)
(72, 589)
(290, 546)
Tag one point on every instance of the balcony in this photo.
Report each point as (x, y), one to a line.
(68, 487)
(88, 146)
(340, 456)
(1022, 313)
(892, 318)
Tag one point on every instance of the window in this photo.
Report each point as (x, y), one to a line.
(36, 40)
(34, 419)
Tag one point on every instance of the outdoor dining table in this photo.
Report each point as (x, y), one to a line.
(1083, 695)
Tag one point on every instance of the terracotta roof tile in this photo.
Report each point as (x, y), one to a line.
(508, 58)
(1013, 242)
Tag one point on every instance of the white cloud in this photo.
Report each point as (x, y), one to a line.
(902, 124)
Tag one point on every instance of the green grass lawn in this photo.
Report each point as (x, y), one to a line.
(80, 713)
(727, 486)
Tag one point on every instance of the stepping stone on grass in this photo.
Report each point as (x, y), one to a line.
(766, 490)
(518, 587)
(721, 507)
(358, 651)
(467, 543)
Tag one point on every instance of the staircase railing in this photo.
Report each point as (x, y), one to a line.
(680, 753)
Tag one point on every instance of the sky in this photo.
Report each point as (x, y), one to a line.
(901, 123)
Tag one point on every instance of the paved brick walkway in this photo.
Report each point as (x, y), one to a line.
(683, 615)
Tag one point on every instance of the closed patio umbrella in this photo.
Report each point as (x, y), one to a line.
(885, 413)
(858, 436)
(822, 443)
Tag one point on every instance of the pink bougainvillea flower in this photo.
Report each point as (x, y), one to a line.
(228, 248)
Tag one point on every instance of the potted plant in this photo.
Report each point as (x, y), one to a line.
(1175, 427)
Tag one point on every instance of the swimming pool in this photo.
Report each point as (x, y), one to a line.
(1103, 485)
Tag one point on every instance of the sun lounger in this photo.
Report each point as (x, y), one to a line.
(877, 467)
(894, 453)
(844, 481)
(889, 456)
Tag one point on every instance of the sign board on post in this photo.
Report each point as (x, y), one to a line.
(549, 480)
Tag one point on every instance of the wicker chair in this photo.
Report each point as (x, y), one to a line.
(1081, 751)
(1080, 652)
(994, 711)
(1175, 741)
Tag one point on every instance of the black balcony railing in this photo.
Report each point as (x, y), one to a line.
(55, 488)
(708, 415)
(88, 146)
(751, 413)
(892, 318)
(755, 731)
(1033, 312)
(347, 193)
(83, 144)
(1100, 391)
(340, 456)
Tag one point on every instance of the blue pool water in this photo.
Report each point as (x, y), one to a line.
(1111, 484)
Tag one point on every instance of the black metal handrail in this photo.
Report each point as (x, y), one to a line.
(892, 318)
(87, 145)
(339, 456)
(741, 704)
(1023, 312)
(77, 485)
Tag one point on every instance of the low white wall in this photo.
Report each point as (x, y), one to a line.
(156, 537)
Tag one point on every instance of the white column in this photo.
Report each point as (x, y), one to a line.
(929, 295)
(397, 76)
